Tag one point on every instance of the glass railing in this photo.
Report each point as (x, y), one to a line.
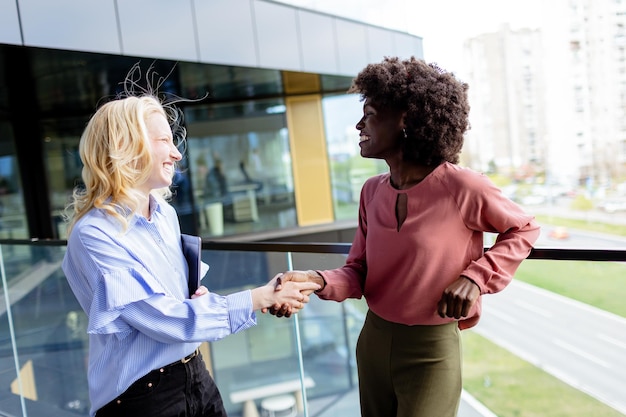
(307, 361)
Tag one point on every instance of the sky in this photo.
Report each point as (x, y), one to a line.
(443, 24)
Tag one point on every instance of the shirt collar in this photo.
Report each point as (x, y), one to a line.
(155, 207)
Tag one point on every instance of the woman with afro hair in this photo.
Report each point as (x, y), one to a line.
(418, 254)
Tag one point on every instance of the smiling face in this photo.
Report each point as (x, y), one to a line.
(164, 152)
(380, 131)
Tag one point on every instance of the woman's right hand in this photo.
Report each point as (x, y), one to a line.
(289, 295)
(280, 310)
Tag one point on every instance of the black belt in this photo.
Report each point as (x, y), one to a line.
(183, 360)
(190, 356)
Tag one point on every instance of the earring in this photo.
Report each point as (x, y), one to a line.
(404, 133)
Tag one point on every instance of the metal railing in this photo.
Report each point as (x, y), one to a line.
(30, 270)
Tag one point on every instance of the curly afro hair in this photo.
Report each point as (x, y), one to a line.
(435, 102)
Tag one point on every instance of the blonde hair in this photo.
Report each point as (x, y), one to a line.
(116, 158)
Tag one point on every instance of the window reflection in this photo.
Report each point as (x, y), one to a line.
(348, 169)
(239, 159)
(61, 138)
(13, 223)
(235, 121)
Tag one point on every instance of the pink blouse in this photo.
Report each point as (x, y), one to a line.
(402, 273)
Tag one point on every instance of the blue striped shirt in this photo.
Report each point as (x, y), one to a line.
(133, 287)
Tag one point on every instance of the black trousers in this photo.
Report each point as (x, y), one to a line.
(176, 390)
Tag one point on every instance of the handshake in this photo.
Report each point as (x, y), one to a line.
(291, 291)
(283, 295)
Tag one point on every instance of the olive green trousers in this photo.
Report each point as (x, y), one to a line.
(408, 371)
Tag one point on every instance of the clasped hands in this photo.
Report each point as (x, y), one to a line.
(305, 281)
(283, 295)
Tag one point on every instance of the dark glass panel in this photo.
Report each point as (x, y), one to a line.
(68, 81)
(336, 83)
(12, 216)
(228, 83)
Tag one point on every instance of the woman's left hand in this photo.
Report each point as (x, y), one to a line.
(458, 298)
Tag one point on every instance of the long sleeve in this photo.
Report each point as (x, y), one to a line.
(403, 271)
(133, 286)
(207, 318)
(349, 280)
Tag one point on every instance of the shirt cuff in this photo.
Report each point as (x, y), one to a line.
(240, 311)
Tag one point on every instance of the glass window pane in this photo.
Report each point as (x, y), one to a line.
(347, 168)
(63, 165)
(241, 167)
(13, 224)
(267, 354)
(228, 83)
(48, 331)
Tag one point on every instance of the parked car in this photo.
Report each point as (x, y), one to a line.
(559, 233)
(613, 205)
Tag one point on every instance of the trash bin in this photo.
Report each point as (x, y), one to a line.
(215, 217)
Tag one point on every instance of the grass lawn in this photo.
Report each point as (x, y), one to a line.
(600, 284)
(512, 387)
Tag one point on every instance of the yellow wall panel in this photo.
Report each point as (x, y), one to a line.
(27, 380)
(300, 82)
(311, 173)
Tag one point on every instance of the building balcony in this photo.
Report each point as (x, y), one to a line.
(545, 346)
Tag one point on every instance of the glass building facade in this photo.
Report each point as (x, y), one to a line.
(271, 139)
(271, 148)
(237, 175)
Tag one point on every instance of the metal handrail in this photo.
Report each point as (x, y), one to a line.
(562, 254)
(556, 254)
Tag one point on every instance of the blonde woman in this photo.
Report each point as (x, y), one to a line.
(125, 265)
